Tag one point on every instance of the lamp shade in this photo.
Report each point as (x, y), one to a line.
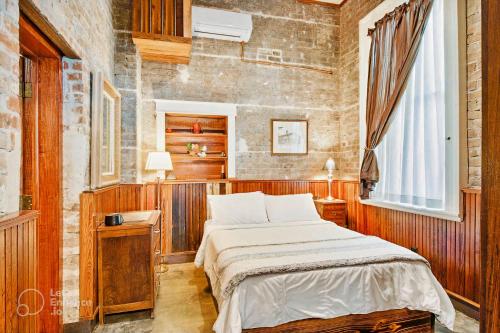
(159, 160)
(330, 164)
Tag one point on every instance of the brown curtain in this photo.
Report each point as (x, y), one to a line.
(395, 42)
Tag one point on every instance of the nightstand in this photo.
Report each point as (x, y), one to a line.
(334, 211)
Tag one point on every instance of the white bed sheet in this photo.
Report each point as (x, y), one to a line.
(274, 299)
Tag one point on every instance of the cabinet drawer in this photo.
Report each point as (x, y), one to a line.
(334, 214)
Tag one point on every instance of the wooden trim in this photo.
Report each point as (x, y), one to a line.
(322, 3)
(100, 87)
(48, 180)
(136, 306)
(490, 167)
(464, 305)
(408, 321)
(28, 8)
(187, 7)
(471, 190)
(15, 219)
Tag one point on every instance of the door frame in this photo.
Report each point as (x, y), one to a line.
(47, 168)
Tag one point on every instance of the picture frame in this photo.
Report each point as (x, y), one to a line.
(289, 137)
(106, 133)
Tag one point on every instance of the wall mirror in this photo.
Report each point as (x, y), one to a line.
(106, 129)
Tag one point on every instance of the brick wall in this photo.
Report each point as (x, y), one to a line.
(474, 90)
(350, 14)
(10, 134)
(88, 29)
(300, 34)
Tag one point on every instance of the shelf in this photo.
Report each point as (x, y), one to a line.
(185, 158)
(190, 134)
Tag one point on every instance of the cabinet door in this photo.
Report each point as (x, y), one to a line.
(126, 269)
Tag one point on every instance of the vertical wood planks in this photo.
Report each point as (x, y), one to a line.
(18, 266)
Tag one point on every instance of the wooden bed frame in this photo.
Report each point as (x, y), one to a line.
(401, 320)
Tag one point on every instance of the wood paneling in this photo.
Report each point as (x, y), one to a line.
(451, 247)
(278, 187)
(188, 216)
(490, 166)
(162, 30)
(94, 205)
(19, 301)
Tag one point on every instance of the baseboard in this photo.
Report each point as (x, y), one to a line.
(82, 326)
(464, 305)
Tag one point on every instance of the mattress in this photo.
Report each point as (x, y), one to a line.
(328, 291)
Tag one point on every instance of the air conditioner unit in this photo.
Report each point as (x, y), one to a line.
(221, 24)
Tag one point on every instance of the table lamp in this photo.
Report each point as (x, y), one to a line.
(160, 162)
(330, 166)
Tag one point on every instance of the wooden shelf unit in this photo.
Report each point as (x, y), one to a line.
(161, 30)
(179, 134)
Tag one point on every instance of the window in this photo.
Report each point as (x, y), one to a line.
(108, 135)
(419, 157)
(106, 131)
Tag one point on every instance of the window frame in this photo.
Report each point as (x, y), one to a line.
(101, 89)
(456, 127)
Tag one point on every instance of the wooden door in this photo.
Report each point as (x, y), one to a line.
(41, 167)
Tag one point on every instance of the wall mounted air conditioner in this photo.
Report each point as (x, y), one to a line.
(221, 24)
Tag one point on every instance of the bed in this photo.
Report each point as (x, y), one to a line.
(279, 268)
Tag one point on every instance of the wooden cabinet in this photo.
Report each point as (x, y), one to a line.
(334, 211)
(129, 263)
(162, 30)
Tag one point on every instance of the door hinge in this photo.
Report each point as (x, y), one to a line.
(26, 202)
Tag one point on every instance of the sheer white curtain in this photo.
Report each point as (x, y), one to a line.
(412, 155)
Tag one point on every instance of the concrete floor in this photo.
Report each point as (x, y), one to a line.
(185, 305)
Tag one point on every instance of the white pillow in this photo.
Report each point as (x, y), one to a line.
(291, 208)
(241, 208)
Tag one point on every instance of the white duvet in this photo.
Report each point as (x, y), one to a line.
(320, 275)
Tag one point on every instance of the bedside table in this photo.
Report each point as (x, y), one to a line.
(334, 211)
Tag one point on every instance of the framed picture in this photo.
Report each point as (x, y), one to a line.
(106, 130)
(289, 137)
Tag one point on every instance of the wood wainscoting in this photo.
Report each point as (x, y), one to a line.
(19, 300)
(452, 248)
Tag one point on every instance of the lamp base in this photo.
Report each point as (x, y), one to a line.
(329, 198)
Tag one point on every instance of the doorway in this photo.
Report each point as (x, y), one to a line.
(40, 88)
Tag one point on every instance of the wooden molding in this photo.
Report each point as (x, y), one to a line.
(14, 219)
(323, 3)
(490, 167)
(28, 8)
